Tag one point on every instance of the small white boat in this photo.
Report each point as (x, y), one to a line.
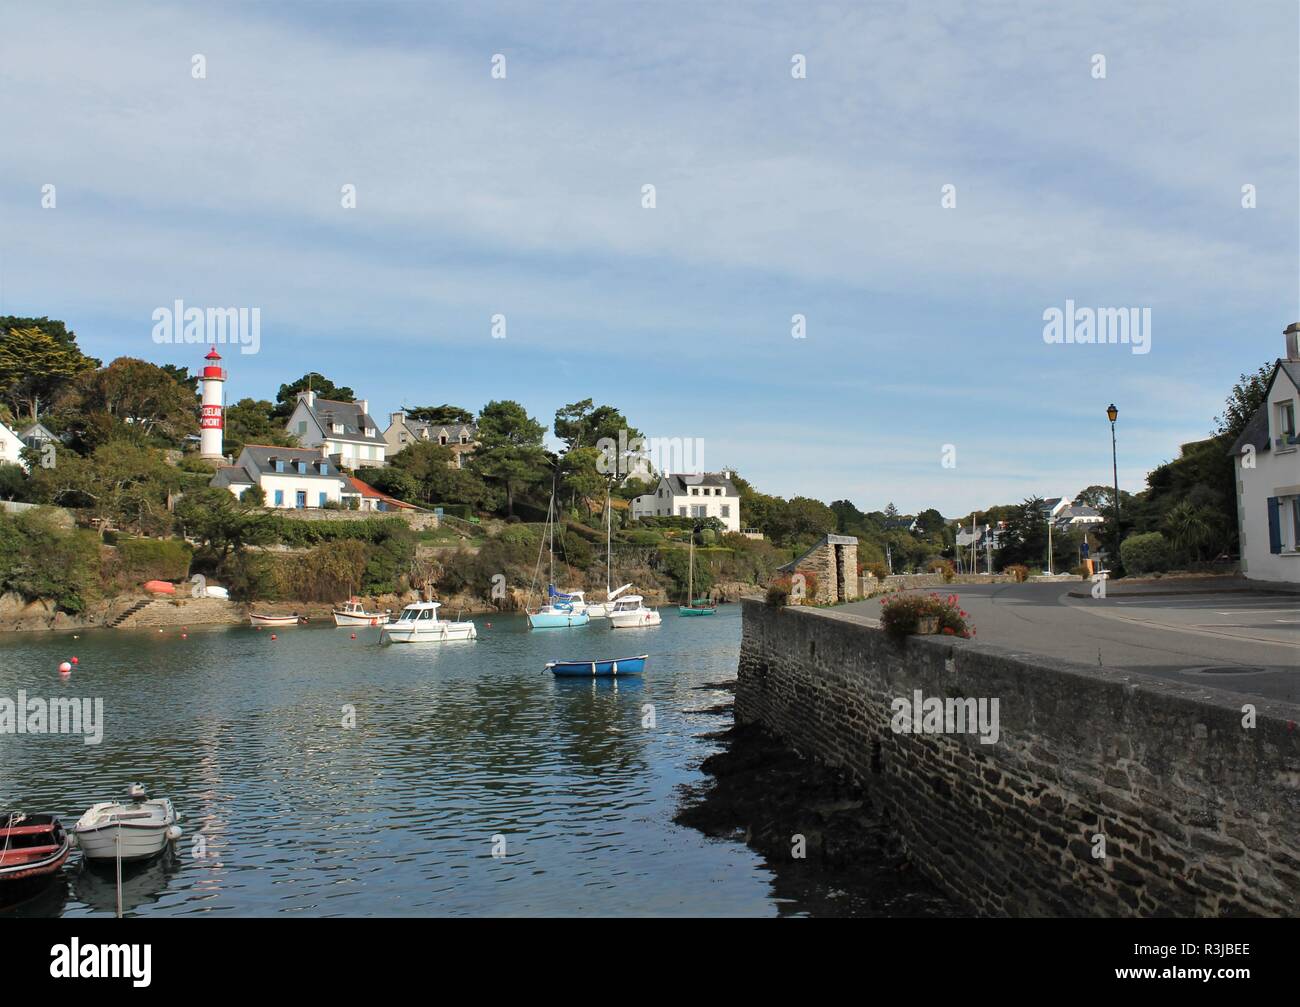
(272, 620)
(630, 613)
(419, 623)
(136, 829)
(353, 613)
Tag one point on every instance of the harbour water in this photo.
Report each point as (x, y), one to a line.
(458, 751)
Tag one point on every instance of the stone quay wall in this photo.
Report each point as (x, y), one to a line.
(1197, 814)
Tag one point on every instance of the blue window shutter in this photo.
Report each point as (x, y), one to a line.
(1274, 525)
(323, 498)
(279, 498)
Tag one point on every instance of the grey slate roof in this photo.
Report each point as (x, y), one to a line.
(681, 484)
(327, 412)
(231, 475)
(454, 430)
(260, 459)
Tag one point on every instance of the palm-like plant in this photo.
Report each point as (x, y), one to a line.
(1189, 527)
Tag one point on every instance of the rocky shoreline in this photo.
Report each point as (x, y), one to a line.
(765, 794)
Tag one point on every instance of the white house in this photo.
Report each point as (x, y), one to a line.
(11, 447)
(1266, 458)
(345, 429)
(707, 494)
(289, 477)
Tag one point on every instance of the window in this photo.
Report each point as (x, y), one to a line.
(726, 510)
(323, 497)
(681, 511)
(302, 468)
(1286, 424)
(337, 428)
(442, 438)
(1295, 524)
(302, 427)
(324, 468)
(370, 431)
(279, 498)
(279, 465)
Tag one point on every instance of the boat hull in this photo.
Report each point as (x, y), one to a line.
(274, 621)
(690, 610)
(99, 834)
(557, 620)
(355, 619)
(30, 854)
(441, 632)
(598, 669)
(637, 619)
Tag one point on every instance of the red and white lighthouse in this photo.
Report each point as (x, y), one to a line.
(211, 419)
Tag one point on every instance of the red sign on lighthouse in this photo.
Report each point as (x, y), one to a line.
(211, 418)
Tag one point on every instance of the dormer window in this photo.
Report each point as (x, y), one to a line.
(302, 468)
(336, 428)
(442, 438)
(324, 468)
(279, 465)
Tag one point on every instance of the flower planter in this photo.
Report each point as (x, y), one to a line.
(927, 625)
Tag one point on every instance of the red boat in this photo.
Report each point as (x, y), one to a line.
(32, 848)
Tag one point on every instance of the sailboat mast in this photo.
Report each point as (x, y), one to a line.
(690, 577)
(608, 544)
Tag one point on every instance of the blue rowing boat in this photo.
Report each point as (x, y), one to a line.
(596, 669)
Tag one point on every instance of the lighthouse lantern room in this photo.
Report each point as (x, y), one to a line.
(211, 420)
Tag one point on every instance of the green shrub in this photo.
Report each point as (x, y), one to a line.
(1149, 553)
(41, 559)
(154, 559)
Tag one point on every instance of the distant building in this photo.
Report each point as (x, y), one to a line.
(371, 499)
(344, 430)
(38, 435)
(707, 494)
(290, 478)
(1078, 516)
(1266, 459)
(403, 431)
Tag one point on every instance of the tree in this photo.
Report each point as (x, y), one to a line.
(445, 415)
(930, 523)
(253, 421)
(287, 397)
(140, 399)
(1246, 397)
(223, 525)
(510, 451)
(1191, 528)
(35, 365)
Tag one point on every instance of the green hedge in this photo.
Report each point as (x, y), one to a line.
(154, 559)
(1149, 553)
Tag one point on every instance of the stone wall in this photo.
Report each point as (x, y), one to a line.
(418, 520)
(1200, 815)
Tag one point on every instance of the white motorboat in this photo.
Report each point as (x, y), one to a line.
(419, 623)
(135, 829)
(630, 613)
(602, 609)
(353, 613)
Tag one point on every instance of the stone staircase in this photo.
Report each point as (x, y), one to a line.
(121, 617)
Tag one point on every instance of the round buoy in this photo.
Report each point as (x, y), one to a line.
(160, 631)
(489, 625)
(65, 668)
(354, 636)
(272, 636)
(185, 636)
(75, 661)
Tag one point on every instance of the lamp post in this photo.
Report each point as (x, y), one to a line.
(1112, 414)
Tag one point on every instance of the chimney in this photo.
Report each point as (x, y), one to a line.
(308, 396)
(394, 419)
(364, 406)
(1292, 333)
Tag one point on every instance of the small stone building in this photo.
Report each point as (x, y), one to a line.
(830, 571)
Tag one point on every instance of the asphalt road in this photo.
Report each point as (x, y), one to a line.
(1242, 642)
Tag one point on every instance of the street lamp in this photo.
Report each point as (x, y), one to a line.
(1113, 414)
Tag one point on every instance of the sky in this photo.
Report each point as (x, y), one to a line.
(922, 376)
